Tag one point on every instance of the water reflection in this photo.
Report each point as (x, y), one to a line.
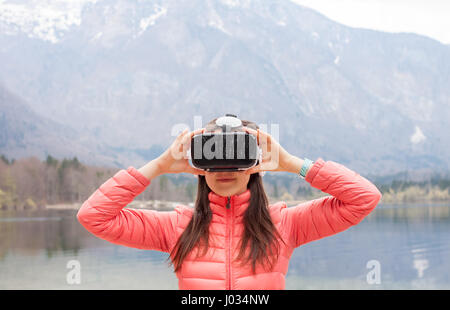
(29, 233)
(410, 242)
(412, 212)
(412, 246)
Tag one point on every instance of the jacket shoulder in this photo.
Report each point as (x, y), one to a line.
(275, 210)
(278, 206)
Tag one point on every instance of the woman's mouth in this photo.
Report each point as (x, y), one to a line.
(224, 180)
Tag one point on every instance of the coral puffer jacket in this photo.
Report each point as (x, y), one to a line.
(103, 214)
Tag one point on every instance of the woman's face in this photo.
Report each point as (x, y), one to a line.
(227, 183)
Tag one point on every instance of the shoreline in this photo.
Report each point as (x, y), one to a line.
(163, 205)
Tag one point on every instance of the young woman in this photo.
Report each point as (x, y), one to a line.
(232, 238)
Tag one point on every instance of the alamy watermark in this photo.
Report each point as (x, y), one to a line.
(73, 276)
(374, 274)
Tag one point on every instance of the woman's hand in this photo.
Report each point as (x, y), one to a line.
(274, 156)
(175, 159)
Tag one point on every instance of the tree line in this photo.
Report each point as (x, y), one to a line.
(30, 183)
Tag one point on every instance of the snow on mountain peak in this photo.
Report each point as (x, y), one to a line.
(234, 3)
(150, 20)
(418, 136)
(46, 20)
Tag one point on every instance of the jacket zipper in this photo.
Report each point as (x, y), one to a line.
(229, 244)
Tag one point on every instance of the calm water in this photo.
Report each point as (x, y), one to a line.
(410, 243)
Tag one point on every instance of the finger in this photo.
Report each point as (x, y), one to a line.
(179, 139)
(195, 171)
(251, 131)
(197, 131)
(186, 140)
(185, 137)
(253, 169)
(176, 148)
(263, 137)
(181, 134)
(255, 132)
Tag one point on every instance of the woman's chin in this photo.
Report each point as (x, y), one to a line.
(225, 190)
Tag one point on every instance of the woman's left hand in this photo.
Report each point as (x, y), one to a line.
(274, 156)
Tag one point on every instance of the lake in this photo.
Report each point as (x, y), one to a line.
(395, 247)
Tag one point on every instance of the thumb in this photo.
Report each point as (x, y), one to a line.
(253, 169)
(193, 170)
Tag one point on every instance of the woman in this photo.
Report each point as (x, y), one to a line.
(232, 238)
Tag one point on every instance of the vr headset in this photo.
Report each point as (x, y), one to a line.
(228, 150)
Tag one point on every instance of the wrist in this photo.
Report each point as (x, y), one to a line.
(294, 164)
(152, 169)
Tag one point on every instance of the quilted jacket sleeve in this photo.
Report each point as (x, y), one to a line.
(103, 214)
(352, 198)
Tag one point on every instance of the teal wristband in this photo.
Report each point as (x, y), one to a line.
(307, 163)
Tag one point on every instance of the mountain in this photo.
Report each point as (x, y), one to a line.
(126, 73)
(24, 133)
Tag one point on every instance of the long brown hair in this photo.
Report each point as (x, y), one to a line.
(259, 229)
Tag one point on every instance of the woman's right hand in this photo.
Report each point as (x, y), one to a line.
(175, 159)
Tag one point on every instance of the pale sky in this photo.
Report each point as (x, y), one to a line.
(426, 17)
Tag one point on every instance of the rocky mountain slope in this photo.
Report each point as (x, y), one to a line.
(126, 73)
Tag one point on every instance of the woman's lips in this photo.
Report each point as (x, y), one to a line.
(226, 180)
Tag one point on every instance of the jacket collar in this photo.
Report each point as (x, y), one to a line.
(238, 203)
